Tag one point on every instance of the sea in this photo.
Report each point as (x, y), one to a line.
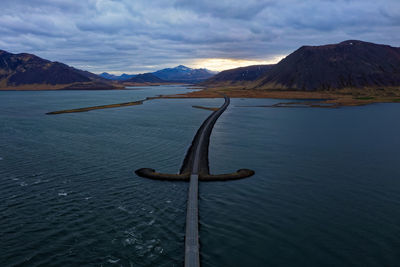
(326, 189)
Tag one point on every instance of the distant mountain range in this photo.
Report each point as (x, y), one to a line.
(181, 74)
(350, 64)
(29, 72)
(184, 74)
(122, 77)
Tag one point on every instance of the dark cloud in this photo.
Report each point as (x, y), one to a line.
(140, 35)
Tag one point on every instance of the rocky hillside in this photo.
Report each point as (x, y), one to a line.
(348, 64)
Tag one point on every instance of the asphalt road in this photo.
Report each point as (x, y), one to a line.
(200, 159)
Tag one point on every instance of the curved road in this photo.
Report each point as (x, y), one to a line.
(192, 256)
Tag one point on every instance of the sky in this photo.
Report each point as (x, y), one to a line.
(136, 36)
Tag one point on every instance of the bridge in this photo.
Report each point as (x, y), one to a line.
(194, 168)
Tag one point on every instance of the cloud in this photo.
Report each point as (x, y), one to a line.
(139, 36)
(243, 10)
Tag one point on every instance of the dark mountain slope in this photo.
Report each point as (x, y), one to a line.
(351, 63)
(23, 70)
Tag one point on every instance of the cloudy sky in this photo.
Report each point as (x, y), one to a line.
(144, 35)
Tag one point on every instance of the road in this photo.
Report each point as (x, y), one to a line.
(200, 159)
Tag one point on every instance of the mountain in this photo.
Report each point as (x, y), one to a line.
(349, 64)
(27, 71)
(184, 74)
(145, 78)
(122, 77)
(240, 75)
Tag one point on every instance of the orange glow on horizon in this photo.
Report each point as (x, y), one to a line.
(220, 64)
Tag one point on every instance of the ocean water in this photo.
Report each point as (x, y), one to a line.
(326, 190)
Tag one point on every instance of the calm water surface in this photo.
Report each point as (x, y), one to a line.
(326, 190)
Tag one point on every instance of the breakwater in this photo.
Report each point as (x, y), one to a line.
(196, 159)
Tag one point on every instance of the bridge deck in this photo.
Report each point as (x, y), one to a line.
(192, 255)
